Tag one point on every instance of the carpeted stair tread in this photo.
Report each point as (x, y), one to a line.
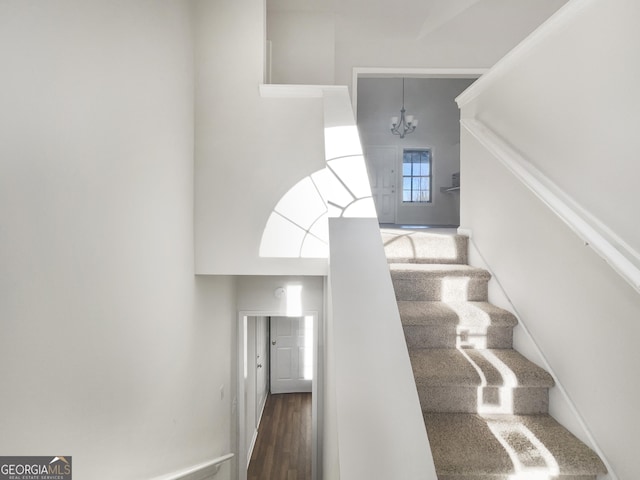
(453, 367)
(424, 246)
(475, 314)
(469, 446)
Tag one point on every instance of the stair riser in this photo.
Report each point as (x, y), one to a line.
(434, 336)
(411, 286)
(430, 249)
(461, 399)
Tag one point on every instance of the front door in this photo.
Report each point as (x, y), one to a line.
(291, 354)
(381, 164)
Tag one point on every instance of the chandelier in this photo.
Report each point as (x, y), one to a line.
(406, 123)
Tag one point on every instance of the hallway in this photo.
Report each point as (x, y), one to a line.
(283, 446)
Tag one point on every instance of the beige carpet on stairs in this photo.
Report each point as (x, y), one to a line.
(485, 406)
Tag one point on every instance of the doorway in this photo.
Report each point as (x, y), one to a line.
(294, 357)
(378, 95)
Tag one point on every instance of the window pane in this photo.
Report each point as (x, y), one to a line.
(416, 172)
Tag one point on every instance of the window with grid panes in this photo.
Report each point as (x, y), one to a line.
(416, 176)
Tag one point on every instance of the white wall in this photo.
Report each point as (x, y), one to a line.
(256, 293)
(303, 48)
(432, 101)
(373, 411)
(249, 150)
(111, 350)
(402, 37)
(583, 109)
(566, 102)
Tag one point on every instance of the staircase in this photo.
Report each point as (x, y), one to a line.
(485, 406)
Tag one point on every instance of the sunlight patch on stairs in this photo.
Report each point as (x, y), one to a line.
(531, 459)
(485, 405)
(494, 400)
(473, 334)
(454, 289)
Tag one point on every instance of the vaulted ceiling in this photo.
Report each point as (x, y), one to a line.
(409, 19)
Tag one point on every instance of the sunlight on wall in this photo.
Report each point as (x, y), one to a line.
(294, 300)
(297, 227)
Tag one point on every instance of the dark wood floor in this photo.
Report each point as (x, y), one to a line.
(283, 446)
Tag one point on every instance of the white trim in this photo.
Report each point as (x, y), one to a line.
(557, 22)
(296, 91)
(252, 445)
(201, 471)
(420, 72)
(595, 234)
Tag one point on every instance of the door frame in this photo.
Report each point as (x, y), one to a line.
(395, 72)
(418, 72)
(315, 386)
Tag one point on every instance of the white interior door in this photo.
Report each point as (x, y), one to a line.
(381, 164)
(291, 354)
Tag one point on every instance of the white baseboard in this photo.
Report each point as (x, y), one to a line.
(252, 445)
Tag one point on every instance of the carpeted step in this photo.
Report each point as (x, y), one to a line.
(423, 246)
(456, 324)
(501, 447)
(481, 381)
(439, 282)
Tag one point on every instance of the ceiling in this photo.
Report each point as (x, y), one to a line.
(396, 18)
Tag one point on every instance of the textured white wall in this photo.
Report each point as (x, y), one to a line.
(569, 106)
(111, 351)
(432, 101)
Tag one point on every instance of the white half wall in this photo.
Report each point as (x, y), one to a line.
(111, 351)
(373, 410)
